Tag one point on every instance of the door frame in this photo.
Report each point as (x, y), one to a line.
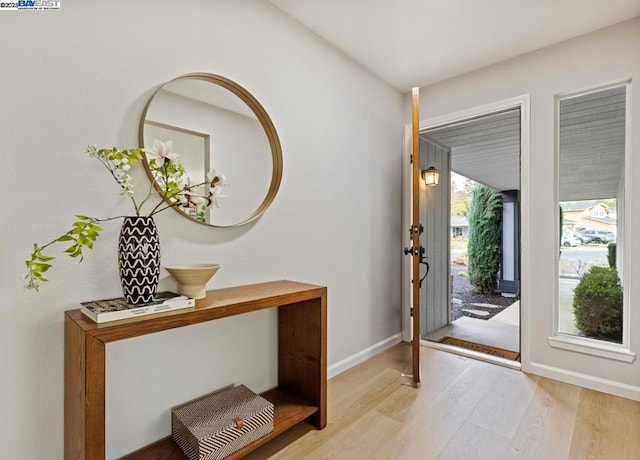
(522, 103)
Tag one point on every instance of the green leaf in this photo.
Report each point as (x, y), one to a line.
(43, 267)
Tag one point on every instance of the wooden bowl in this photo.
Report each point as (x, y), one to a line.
(192, 278)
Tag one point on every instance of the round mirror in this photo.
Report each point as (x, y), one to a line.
(217, 129)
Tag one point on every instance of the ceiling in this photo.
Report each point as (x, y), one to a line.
(419, 42)
(592, 144)
(411, 43)
(485, 149)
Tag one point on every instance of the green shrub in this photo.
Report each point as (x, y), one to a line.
(597, 304)
(611, 254)
(485, 235)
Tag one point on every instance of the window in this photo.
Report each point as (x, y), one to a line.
(591, 181)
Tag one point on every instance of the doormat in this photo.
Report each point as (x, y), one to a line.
(500, 352)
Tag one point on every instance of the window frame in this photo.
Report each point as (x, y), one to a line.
(585, 345)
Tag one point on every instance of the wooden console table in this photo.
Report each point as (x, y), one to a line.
(301, 393)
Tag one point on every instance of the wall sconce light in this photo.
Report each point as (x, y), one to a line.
(431, 176)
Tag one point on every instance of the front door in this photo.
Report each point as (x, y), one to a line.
(429, 232)
(415, 230)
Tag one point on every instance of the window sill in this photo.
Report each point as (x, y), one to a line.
(592, 347)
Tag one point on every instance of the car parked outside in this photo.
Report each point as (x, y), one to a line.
(595, 236)
(570, 240)
(584, 239)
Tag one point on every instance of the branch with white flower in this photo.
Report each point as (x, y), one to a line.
(174, 189)
(118, 163)
(174, 184)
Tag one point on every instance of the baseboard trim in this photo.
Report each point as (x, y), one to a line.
(583, 380)
(357, 358)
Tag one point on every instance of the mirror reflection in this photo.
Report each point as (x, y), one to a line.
(215, 125)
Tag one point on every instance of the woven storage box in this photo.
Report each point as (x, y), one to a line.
(221, 423)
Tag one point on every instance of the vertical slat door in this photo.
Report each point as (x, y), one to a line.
(435, 205)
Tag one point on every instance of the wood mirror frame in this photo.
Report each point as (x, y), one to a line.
(264, 120)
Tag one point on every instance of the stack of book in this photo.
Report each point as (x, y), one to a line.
(102, 311)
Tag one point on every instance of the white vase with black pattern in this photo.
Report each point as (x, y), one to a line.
(139, 259)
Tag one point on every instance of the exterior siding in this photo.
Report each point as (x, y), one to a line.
(435, 216)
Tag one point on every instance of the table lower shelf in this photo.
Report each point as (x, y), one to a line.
(289, 411)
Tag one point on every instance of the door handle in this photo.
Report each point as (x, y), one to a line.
(414, 251)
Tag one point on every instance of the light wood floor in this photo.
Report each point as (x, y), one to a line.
(465, 409)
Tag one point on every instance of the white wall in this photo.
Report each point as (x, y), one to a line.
(600, 57)
(82, 75)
